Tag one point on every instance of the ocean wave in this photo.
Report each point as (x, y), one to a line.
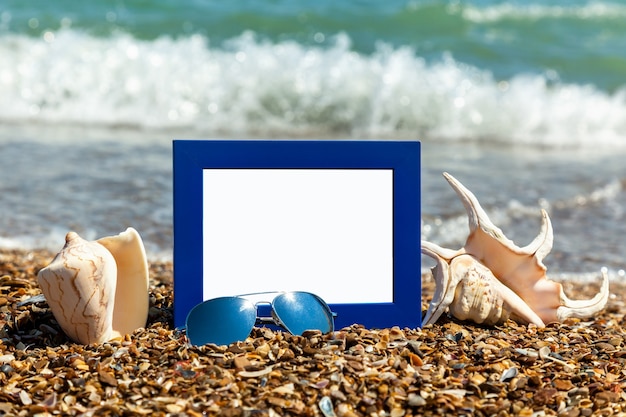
(512, 11)
(250, 87)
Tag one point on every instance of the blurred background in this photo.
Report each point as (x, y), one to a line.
(523, 101)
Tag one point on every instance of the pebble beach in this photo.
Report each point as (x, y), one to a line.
(523, 102)
(576, 368)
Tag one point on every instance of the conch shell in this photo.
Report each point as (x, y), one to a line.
(491, 278)
(98, 290)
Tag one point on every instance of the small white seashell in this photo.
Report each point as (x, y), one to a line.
(509, 374)
(6, 358)
(326, 406)
(98, 290)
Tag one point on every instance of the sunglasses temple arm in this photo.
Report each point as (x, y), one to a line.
(265, 320)
(270, 320)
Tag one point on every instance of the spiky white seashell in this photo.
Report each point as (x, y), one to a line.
(98, 290)
(491, 278)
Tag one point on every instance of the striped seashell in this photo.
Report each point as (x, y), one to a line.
(98, 290)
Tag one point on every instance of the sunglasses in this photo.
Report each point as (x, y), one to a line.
(225, 320)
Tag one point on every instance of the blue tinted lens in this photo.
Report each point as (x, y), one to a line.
(221, 321)
(300, 311)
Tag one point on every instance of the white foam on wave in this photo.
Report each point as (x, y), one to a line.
(52, 241)
(252, 87)
(55, 239)
(524, 11)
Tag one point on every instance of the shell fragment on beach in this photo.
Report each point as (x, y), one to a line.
(492, 279)
(98, 290)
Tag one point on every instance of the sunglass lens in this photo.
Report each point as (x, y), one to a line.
(221, 321)
(300, 311)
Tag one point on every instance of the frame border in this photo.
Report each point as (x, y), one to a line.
(191, 157)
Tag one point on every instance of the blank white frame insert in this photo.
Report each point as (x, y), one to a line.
(326, 231)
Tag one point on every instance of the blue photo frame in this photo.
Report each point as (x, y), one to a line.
(393, 167)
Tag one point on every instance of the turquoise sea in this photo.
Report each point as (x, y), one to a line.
(523, 101)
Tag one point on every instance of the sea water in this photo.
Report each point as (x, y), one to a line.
(524, 102)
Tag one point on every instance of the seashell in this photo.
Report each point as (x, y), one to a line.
(326, 406)
(491, 278)
(509, 374)
(98, 290)
(256, 374)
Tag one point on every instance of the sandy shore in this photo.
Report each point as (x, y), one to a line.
(450, 368)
